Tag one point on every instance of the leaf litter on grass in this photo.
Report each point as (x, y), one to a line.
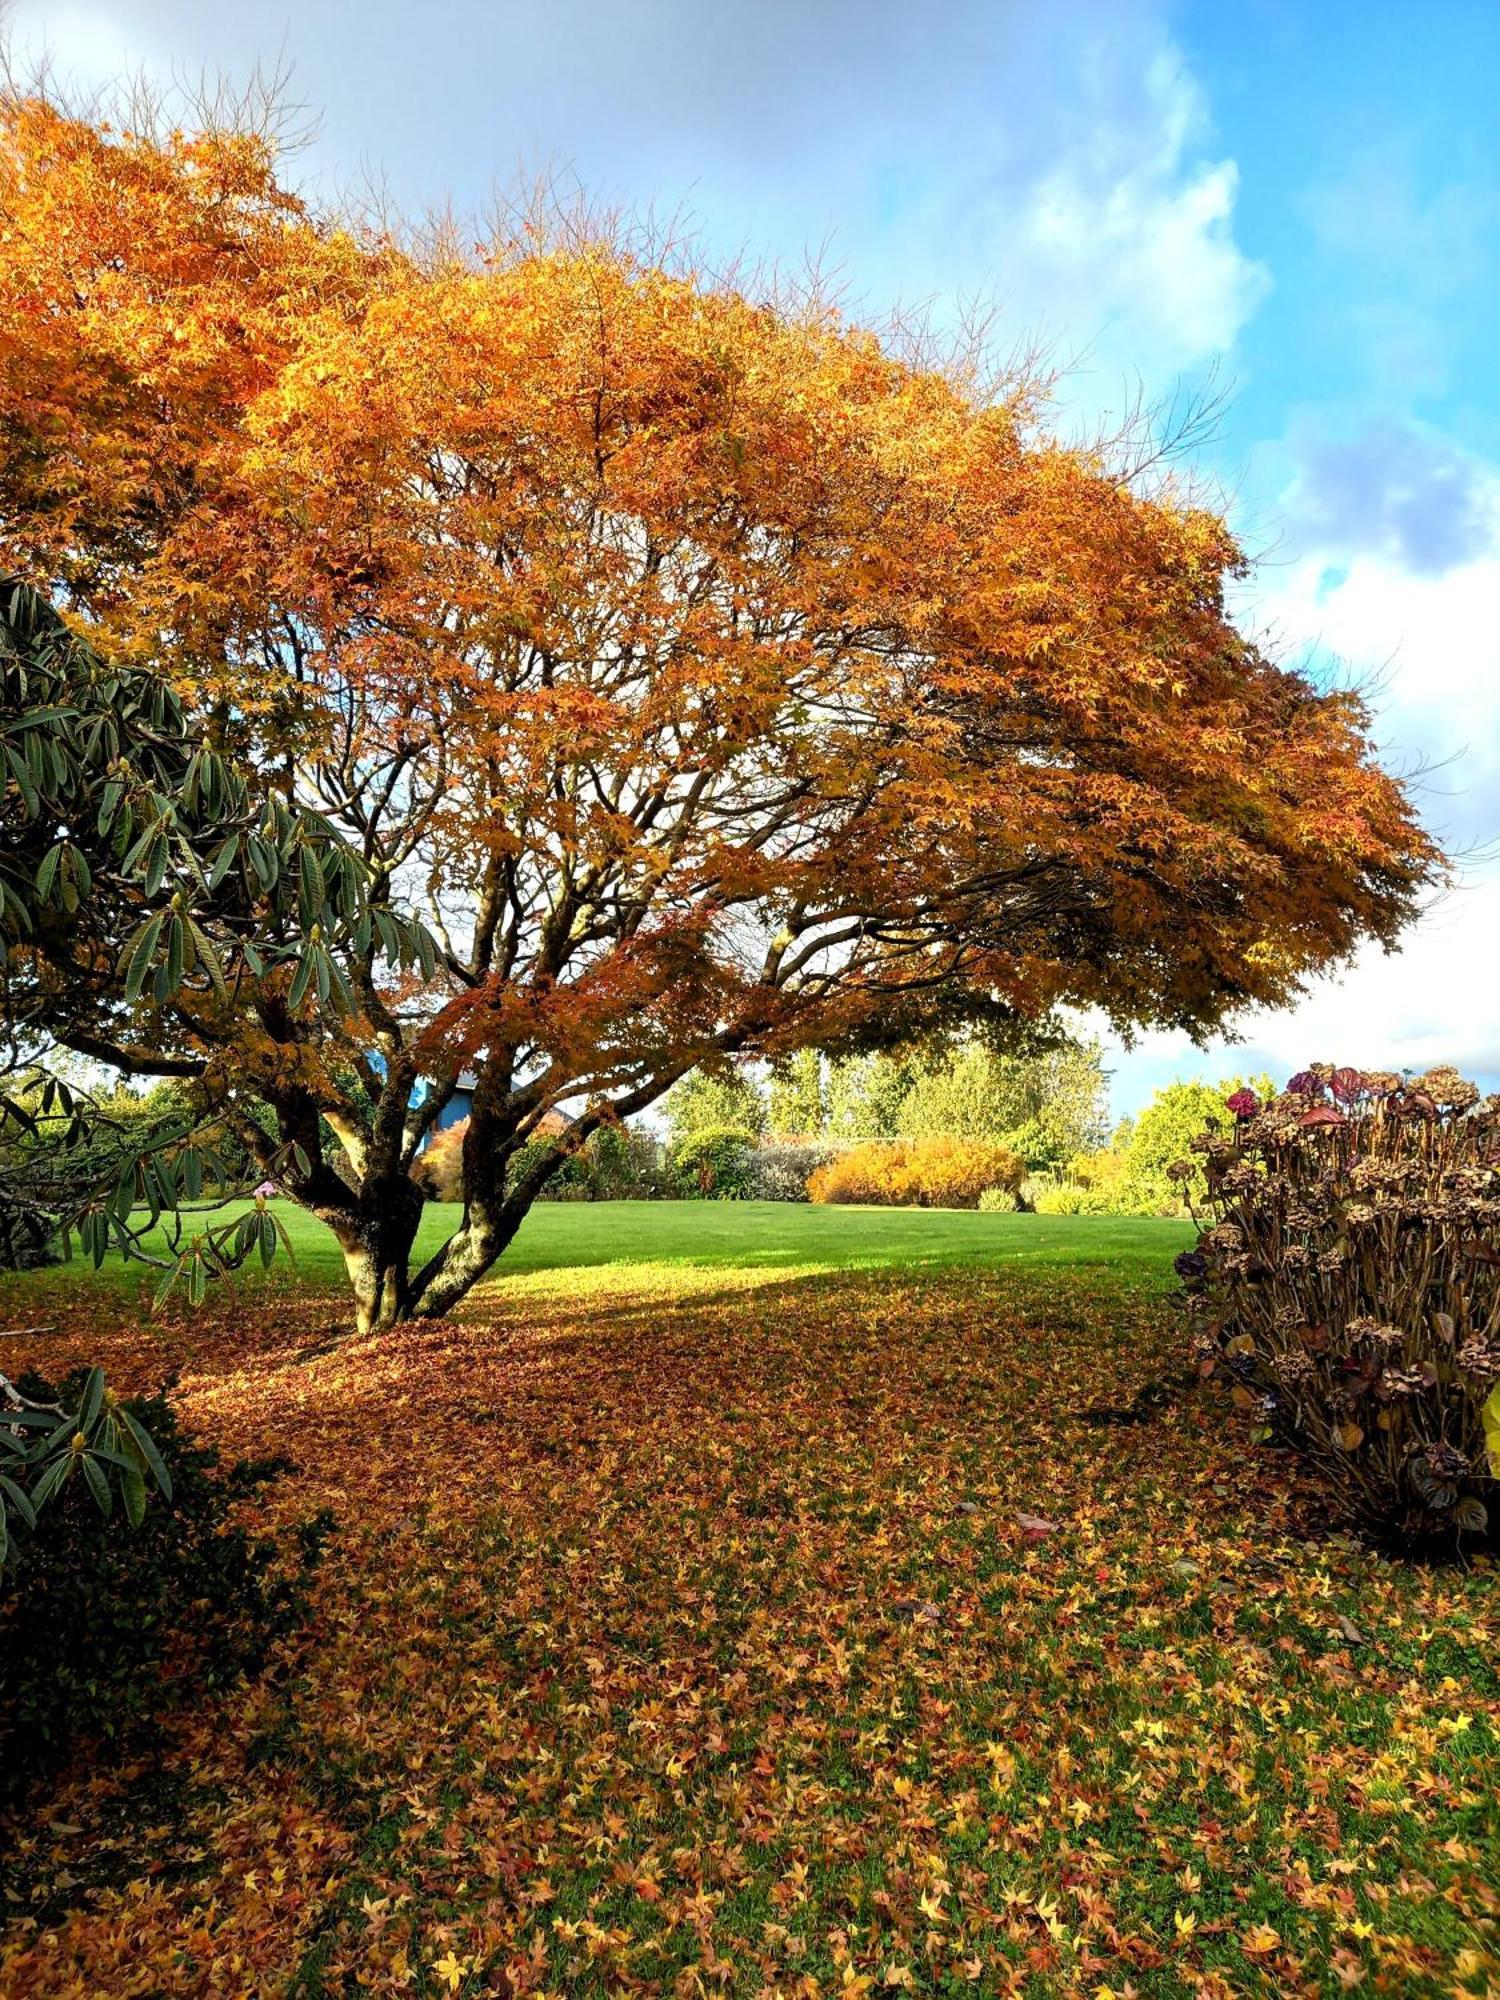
(770, 1633)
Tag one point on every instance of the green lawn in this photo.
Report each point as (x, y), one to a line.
(757, 1234)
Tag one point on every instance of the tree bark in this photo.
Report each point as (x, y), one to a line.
(376, 1234)
(463, 1260)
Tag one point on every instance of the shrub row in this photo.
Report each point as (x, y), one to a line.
(731, 1163)
(723, 1163)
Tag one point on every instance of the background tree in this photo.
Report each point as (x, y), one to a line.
(795, 1108)
(707, 1100)
(1045, 1103)
(1042, 1093)
(712, 680)
(865, 1092)
(1162, 1135)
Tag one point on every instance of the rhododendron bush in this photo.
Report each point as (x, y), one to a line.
(1345, 1284)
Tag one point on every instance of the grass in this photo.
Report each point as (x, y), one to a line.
(748, 1602)
(751, 1235)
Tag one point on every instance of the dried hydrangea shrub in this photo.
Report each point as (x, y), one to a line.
(1346, 1284)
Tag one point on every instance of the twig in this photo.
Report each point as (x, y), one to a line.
(16, 1401)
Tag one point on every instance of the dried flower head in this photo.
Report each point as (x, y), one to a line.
(1479, 1358)
(1447, 1088)
(1378, 1332)
(1405, 1381)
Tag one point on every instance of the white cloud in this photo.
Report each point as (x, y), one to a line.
(1127, 235)
(1437, 1000)
(1432, 644)
(1393, 489)
(1428, 642)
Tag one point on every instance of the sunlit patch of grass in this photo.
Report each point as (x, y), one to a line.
(572, 1237)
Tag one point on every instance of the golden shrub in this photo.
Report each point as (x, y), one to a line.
(439, 1170)
(916, 1173)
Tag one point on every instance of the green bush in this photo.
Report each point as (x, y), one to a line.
(100, 1620)
(622, 1164)
(999, 1201)
(1068, 1198)
(1039, 1143)
(716, 1164)
(1345, 1285)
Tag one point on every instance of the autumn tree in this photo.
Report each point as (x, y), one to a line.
(711, 678)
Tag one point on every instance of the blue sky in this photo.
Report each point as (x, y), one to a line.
(1299, 199)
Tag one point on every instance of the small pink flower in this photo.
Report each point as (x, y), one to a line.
(265, 1191)
(1244, 1103)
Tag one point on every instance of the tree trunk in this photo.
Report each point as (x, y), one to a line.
(376, 1236)
(464, 1259)
(491, 1216)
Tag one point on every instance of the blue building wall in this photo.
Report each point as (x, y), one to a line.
(456, 1109)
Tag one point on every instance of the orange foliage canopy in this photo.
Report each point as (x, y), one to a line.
(714, 679)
